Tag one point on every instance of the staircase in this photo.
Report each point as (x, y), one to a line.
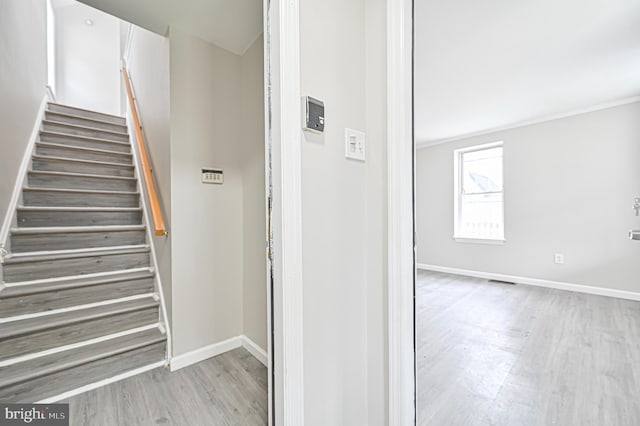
(79, 303)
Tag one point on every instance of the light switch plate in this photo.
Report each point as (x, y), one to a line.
(354, 144)
(211, 175)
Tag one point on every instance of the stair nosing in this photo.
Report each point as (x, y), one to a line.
(75, 282)
(75, 229)
(81, 175)
(91, 129)
(79, 209)
(67, 365)
(89, 138)
(85, 110)
(77, 160)
(81, 191)
(88, 316)
(64, 114)
(82, 148)
(40, 256)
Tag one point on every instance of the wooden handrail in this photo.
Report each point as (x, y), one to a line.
(156, 211)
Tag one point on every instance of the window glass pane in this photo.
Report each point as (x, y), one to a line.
(482, 171)
(481, 216)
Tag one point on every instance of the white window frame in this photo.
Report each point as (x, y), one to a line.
(457, 195)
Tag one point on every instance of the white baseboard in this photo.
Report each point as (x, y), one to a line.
(206, 352)
(22, 174)
(579, 288)
(255, 350)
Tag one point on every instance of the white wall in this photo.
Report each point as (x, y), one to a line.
(148, 66)
(217, 247)
(569, 187)
(87, 58)
(23, 78)
(343, 214)
(51, 47)
(254, 288)
(206, 219)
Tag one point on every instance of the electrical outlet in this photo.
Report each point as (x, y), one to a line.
(558, 258)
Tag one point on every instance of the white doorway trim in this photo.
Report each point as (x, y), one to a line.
(286, 354)
(400, 151)
(284, 136)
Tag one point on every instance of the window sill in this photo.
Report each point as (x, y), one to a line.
(490, 241)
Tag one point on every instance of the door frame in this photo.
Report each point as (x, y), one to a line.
(283, 138)
(401, 213)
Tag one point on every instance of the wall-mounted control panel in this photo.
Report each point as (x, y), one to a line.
(354, 146)
(210, 175)
(313, 114)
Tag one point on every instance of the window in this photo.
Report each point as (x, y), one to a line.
(479, 201)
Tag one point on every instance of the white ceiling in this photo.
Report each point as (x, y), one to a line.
(483, 65)
(231, 24)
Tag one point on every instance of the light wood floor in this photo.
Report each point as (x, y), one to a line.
(230, 389)
(498, 354)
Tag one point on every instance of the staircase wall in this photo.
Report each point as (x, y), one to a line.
(23, 80)
(200, 106)
(148, 65)
(207, 219)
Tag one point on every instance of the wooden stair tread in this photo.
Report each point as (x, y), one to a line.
(40, 342)
(55, 384)
(53, 321)
(84, 149)
(61, 216)
(60, 361)
(79, 209)
(73, 254)
(87, 128)
(76, 229)
(17, 290)
(50, 303)
(75, 160)
(81, 175)
(80, 191)
(87, 138)
(79, 117)
(85, 110)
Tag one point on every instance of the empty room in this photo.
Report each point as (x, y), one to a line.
(527, 192)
